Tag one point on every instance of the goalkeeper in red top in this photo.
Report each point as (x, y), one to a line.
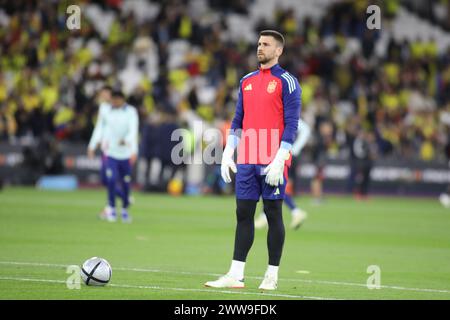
(264, 128)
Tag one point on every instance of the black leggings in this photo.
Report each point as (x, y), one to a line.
(245, 229)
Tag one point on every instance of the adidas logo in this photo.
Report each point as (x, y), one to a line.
(277, 192)
(248, 87)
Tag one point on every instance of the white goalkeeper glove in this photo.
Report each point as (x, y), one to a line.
(227, 164)
(275, 170)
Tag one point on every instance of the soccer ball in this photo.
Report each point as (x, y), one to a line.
(96, 272)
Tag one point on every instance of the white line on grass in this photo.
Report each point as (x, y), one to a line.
(276, 295)
(339, 283)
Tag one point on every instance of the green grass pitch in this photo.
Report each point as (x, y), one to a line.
(175, 244)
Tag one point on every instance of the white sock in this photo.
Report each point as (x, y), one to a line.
(237, 269)
(272, 271)
(110, 210)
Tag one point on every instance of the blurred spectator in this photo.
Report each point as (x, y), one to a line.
(362, 156)
(188, 55)
(43, 158)
(156, 149)
(322, 147)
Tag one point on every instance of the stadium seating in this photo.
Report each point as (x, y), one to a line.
(176, 57)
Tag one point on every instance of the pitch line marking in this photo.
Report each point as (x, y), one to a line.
(339, 283)
(175, 289)
(303, 271)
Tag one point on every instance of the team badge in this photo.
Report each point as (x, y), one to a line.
(272, 86)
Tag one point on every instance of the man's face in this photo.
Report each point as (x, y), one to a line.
(118, 102)
(104, 95)
(268, 49)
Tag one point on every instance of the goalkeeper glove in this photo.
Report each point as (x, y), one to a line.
(227, 163)
(274, 171)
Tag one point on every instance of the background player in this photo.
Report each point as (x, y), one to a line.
(104, 101)
(118, 136)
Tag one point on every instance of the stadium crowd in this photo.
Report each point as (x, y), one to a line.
(180, 57)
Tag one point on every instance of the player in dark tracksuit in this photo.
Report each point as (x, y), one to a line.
(362, 156)
(264, 128)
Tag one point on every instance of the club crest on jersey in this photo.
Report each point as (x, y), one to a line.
(272, 86)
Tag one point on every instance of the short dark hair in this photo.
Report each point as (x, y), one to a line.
(278, 36)
(117, 94)
(107, 87)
